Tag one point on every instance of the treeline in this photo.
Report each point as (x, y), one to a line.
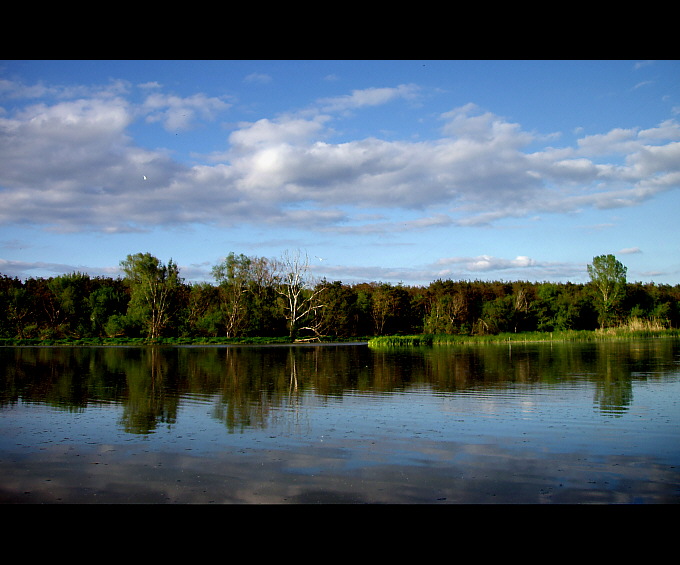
(255, 296)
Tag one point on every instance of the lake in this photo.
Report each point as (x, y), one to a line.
(534, 423)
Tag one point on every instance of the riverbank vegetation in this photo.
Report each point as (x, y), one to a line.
(523, 337)
(260, 300)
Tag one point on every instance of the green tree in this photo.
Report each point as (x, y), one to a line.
(390, 309)
(341, 315)
(497, 315)
(19, 308)
(68, 307)
(547, 295)
(203, 314)
(234, 278)
(446, 313)
(105, 302)
(248, 296)
(608, 276)
(153, 287)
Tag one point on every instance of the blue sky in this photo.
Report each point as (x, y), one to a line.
(395, 171)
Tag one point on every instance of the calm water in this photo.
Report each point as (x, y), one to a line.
(534, 423)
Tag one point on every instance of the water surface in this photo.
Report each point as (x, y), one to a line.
(530, 423)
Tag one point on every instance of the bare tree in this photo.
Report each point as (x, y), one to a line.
(300, 293)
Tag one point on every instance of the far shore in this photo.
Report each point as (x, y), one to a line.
(373, 341)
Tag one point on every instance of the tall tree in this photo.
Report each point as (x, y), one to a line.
(233, 277)
(153, 288)
(265, 316)
(608, 276)
(300, 293)
(245, 286)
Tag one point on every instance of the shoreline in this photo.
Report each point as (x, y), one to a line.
(416, 340)
(173, 342)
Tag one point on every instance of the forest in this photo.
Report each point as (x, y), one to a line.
(261, 297)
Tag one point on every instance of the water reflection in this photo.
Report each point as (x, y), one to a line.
(247, 385)
(530, 423)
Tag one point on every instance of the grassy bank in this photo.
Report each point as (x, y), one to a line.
(527, 337)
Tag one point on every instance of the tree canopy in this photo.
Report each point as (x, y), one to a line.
(260, 297)
(153, 287)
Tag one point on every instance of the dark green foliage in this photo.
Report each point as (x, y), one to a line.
(107, 305)
(246, 305)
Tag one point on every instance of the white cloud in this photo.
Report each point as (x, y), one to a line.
(267, 133)
(177, 113)
(367, 97)
(73, 165)
(14, 90)
(613, 142)
(485, 128)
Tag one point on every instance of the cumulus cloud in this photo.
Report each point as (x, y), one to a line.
(267, 133)
(71, 164)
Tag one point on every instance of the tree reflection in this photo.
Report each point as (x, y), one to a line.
(249, 386)
(148, 401)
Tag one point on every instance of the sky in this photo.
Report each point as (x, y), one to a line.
(397, 171)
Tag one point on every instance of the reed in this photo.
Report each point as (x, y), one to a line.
(636, 324)
(625, 331)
